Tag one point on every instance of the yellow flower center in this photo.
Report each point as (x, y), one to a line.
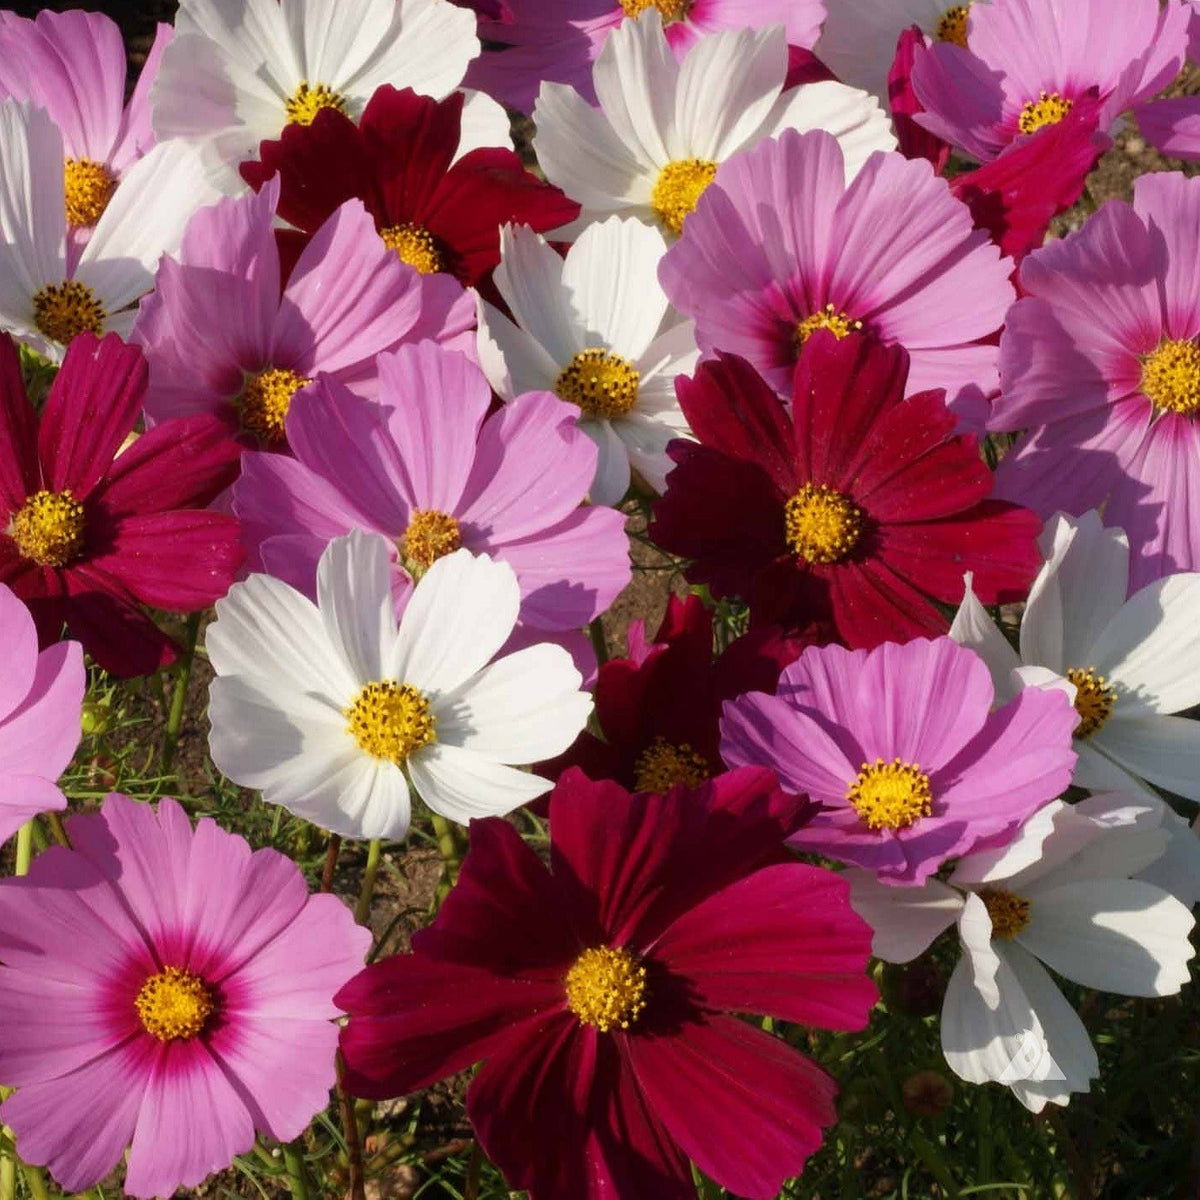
(952, 26)
(62, 310)
(1171, 377)
(430, 535)
(672, 10)
(415, 246)
(265, 400)
(601, 384)
(306, 101)
(174, 1005)
(678, 189)
(890, 795)
(821, 524)
(391, 721)
(89, 187)
(1009, 913)
(840, 324)
(1094, 700)
(662, 765)
(606, 987)
(48, 529)
(1045, 110)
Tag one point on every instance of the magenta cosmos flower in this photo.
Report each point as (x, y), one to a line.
(174, 993)
(40, 700)
(560, 41)
(1100, 363)
(91, 531)
(1026, 63)
(598, 993)
(425, 469)
(779, 246)
(224, 333)
(901, 748)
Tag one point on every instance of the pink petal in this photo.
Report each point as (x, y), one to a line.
(41, 734)
(18, 653)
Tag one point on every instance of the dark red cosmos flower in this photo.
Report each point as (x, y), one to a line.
(437, 214)
(598, 993)
(858, 507)
(88, 532)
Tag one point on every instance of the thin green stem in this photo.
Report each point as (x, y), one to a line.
(36, 1182)
(179, 696)
(599, 644)
(58, 829)
(8, 1177)
(293, 1161)
(931, 1155)
(362, 910)
(24, 848)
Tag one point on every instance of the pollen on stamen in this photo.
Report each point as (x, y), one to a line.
(1009, 912)
(1094, 700)
(62, 311)
(415, 246)
(89, 187)
(264, 402)
(391, 721)
(1048, 109)
(308, 100)
(174, 1005)
(678, 189)
(840, 324)
(664, 764)
(671, 10)
(890, 795)
(430, 535)
(606, 987)
(952, 25)
(821, 525)
(603, 385)
(48, 529)
(1171, 377)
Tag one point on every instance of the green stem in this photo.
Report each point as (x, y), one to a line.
(362, 910)
(179, 696)
(931, 1156)
(36, 1182)
(450, 846)
(293, 1160)
(24, 848)
(8, 1177)
(58, 829)
(599, 644)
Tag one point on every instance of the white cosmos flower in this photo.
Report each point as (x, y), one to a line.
(858, 41)
(1128, 665)
(663, 127)
(1059, 894)
(596, 329)
(240, 70)
(331, 710)
(49, 290)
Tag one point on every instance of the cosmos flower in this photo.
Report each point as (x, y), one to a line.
(333, 711)
(725, 96)
(596, 330)
(1100, 362)
(1172, 127)
(226, 335)
(780, 246)
(856, 507)
(599, 993)
(1059, 895)
(900, 747)
(438, 211)
(174, 993)
(91, 531)
(1127, 665)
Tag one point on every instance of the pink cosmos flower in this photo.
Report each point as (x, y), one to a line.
(1027, 62)
(559, 41)
(426, 470)
(780, 246)
(1172, 126)
(40, 700)
(222, 338)
(1100, 364)
(174, 993)
(901, 748)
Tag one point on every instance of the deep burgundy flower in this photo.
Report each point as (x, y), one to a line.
(89, 531)
(598, 993)
(858, 506)
(437, 214)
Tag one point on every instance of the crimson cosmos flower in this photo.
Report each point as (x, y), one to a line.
(90, 532)
(858, 506)
(598, 993)
(437, 214)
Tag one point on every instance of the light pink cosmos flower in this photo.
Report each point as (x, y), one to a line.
(1100, 364)
(780, 245)
(901, 748)
(425, 469)
(174, 993)
(1026, 62)
(221, 337)
(40, 700)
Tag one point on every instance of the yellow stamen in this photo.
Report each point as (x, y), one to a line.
(1094, 700)
(952, 26)
(672, 10)
(415, 246)
(662, 765)
(678, 190)
(840, 324)
(601, 384)
(606, 987)
(391, 721)
(63, 310)
(265, 400)
(1009, 913)
(306, 101)
(48, 529)
(430, 535)
(1048, 109)
(174, 1005)
(890, 795)
(1171, 377)
(822, 525)
(89, 188)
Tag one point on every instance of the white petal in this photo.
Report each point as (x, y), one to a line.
(612, 464)
(905, 919)
(332, 50)
(646, 439)
(460, 785)
(513, 361)
(1003, 862)
(484, 124)
(1097, 772)
(975, 932)
(972, 627)
(530, 278)
(1178, 870)
(374, 803)
(354, 594)
(1041, 640)
(1164, 750)
(1126, 835)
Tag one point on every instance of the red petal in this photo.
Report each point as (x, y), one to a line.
(871, 605)
(113, 630)
(18, 434)
(914, 141)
